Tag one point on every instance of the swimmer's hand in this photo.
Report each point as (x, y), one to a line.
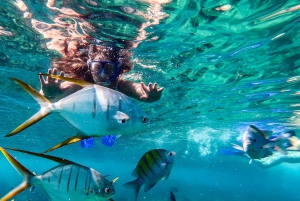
(50, 87)
(152, 92)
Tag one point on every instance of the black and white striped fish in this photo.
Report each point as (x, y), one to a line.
(154, 165)
(67, 181)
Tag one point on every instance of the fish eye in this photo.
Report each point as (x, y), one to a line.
(107, 190)
(123, 121)
(144, 119)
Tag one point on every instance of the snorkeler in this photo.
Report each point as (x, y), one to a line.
(103, 66)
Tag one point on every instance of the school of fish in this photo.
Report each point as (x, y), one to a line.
(98, 111)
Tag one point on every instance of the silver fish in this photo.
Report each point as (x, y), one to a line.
(153, 166)
(256, 143)
(67, 181)
(94, 111)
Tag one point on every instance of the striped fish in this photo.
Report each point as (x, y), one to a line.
(154, 165)
(67, 181)
(94, 111)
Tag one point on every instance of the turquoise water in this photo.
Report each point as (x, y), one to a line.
(222, 70)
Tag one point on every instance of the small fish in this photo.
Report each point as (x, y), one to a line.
(94, 111)
(256, 144)
(172, 196)
(67, 181)
(153, 166)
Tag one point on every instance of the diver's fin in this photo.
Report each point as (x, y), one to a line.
(70, 140)
(22, 170)
(43, 102)
(238, 147)
(53, 158)
(68, 79)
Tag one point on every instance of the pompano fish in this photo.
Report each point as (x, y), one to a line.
(153, 166)
(67, 181)
(94, 111)
(256, 143)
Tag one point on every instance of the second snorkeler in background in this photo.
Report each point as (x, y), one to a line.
(97, 64)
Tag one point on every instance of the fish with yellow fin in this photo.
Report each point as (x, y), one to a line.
(67, 181)
(154, 165)
(94, 111)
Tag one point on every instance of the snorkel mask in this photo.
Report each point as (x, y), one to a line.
(106, 70)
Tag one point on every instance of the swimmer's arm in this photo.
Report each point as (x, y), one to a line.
(277, 158)
(54, 89)
(150, 93)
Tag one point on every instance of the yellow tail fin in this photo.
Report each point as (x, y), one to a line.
(22, 170)
(46, 108)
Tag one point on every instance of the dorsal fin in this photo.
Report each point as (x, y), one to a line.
(81, 83)
(53, 158)
(258, 130)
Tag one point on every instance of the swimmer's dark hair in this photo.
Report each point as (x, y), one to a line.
(76, 66)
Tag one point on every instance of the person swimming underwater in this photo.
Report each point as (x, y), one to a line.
(101, 65)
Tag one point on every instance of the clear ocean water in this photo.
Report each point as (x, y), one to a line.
(224, 65)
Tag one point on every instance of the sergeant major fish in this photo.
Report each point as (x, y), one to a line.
(153, 166)
(94, 111)
(256, 143)
(67, 181)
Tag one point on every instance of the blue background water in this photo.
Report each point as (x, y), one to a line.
(221, 71)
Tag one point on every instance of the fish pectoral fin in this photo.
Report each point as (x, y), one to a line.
(70, 140)
(114, 180)
(269, 145)
(167, 176)
(250, 161)
(121, 117)
(149, 186)
(238, 147)
(68, 79)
